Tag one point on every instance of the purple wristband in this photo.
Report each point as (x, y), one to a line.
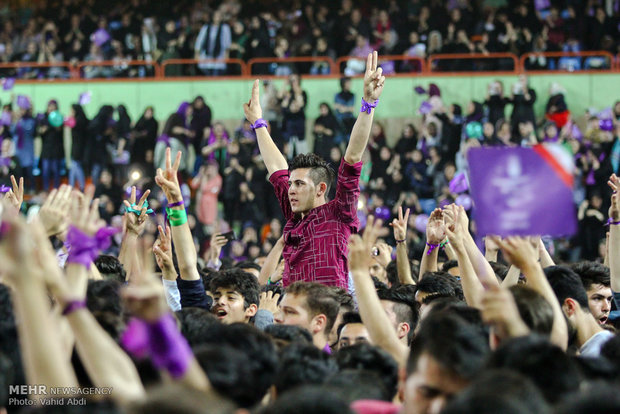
(169, 349)
(367, 107)
(72, 306)
(178, 203)
(84, 249)
(260, 122)
(135, 339)
(611, 222)
(431, 247)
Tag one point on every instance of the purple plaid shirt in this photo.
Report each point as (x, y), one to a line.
(315, 247)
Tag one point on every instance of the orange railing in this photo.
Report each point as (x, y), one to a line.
(567, 61)
(187, 67)
(34, 70)
(305, 65)
(118, 69)
(473, 62)
(391, 64)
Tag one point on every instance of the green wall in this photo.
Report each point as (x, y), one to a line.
(399, 100)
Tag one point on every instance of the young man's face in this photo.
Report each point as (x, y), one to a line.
(293, 312)
(599, 301)
(351, 334)
(302, 192)
(429, 387)
(229, 306)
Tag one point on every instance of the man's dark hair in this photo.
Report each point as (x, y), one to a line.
(501, 270)
(303, 364)
(347, 318)
(320, 171)
(195, 323)
(591, 273)
(611, 351)
(405, 306)
(309, 399)
(344, 80)
(248, 264)
(449, 265)
(567, 284)
(498, 391)
(555, 374)
(258, 346)
(440, 282)
(110, 268)
(177, 398)
(104, 296)
(284, 335)
(456, 345)
(371, 358)
(535, 311)
(242, 282)
(597, 397)
(320, 300)
(359, 384)
(344, 298)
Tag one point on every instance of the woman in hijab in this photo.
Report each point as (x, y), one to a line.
(177, 136)
(78, 146)
(23, 136)
(100, 131)
(143, 137)
(52, 148)
(201, 120)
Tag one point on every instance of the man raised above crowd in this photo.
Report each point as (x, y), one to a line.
(317, 230)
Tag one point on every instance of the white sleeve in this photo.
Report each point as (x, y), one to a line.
(173, 296)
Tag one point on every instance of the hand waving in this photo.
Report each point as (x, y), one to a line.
(373, 79)
(83, 215)
(16, 194)
(163, 249)
(435, 229)
(360, 258)
(135, 223)
(614, 209)
(167, 179)
(252, 109)
(55, 210)
(400, 225)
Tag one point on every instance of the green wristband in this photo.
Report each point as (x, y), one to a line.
(176, 217)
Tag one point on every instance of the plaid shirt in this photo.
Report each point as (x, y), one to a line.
(315, 247)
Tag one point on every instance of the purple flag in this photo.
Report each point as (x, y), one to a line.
(85, 98)
(522, 191)
(100, 37)
(23, 102)
(458, 184)
(8, 84)
(419, 90)
(425, 108)
(542, 4)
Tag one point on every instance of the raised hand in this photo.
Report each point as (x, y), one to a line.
(269, 301)
(614, 209)
(55, 211)
(163, 248)
(84, 215)
(435, 229)
(360, 258)
(16, 195)
(215, 248)
(519, 251)
(499, 309)
(252, 109)
(452, 228)
(167, 179)
(385, 254)
(135, 223)
(373, 79)
(400, 224)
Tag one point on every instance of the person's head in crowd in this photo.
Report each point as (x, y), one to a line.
(500, 270)
(110, 268)
(376, 269)
(433, 303)
(311, 306)
(351, 330)
(180, 399)
(392, 274)
(309, 182)
(104, 296)
(400, 306)
(534, 309)
(611, 351)
(555, 374)
(366, 357)
(335, 154)
(235, 295)
(52, 105)
(446, 354)
(347, 304)
(284, 335)
(249, 267)
(597, 397)
(571, 294)
(595, 279)
(499, 391)
(302, 364)
(345, 84)
(452, 267)
(309, 399)
(433, 283)
(324, 109)
(194, 324)
(358, 384)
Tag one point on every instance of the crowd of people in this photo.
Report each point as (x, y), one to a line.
(95, 31)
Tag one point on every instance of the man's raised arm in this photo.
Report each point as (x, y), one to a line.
(373, 86)
(273, 158)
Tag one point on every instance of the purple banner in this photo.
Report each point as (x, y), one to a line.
(522, 191)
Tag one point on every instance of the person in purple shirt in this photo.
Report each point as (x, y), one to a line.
(317, 231)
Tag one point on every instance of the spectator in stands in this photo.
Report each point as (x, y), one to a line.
(522, 98)
(143, 137)
(213, 42)
(79, 140)
(52, 149)
(24, 134)
(176, 135)
(293, 103)
(325, 129)
(208, 184)
(495, 101)
(99, 131)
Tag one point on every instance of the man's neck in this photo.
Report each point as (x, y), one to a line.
(588, 327)
(319, 340)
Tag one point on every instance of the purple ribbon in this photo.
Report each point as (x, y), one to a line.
(165, 139)
(84, 249)
(4, 189)
(135, 339)
(367, 106)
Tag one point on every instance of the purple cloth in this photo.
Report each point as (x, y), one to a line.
(165, 139)
(4, 188)
(419, 90)
(84, 249)
(181, 111)
(135, 339)
(522, 191)
(23, 102)
(458, 184)
(327, 349)
(100, 37)
(85, 98)
(425, 108)
(8, 84)
(542, 4)
(5, 118)
(169, 349)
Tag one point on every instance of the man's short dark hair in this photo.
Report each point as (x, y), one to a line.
(535, 311)
(104, 296)
(456, 345)
(440, 282)
(501, 270)
(239, 281)
(347, 318)
(370, 358)
(320, 171)
(320, 300)
(303, 364)
(405, 306)
(567, 284)
(111, 268)
(449, 265)
(284, 335)
(195, 324)
(309, 399)
(248, 264)
(591, 273)
(358, 384)
(344, 298)
(597, 397)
